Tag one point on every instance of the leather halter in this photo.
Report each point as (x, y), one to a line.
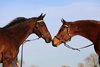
(40, 21)
(41, 35)
(67, 34)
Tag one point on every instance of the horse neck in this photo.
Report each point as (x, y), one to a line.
(88, 30)
(21, 32)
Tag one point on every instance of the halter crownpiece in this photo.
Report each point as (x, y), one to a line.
(40, 21)
(66, 25)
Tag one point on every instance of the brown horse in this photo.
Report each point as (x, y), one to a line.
(89, 29)
(16, 32)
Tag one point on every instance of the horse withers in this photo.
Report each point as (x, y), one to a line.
(89, 29)
(16, 32)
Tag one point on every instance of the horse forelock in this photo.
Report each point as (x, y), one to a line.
(15, 21)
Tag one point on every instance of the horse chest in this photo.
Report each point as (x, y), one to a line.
(8, 49)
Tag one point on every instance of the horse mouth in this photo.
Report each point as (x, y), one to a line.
(56, 42)
(54, 45)
(48, 40)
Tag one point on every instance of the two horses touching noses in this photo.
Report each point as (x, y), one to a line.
(13, 35)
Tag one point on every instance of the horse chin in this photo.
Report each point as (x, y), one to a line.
(55, 45)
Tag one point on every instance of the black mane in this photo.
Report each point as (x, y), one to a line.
(15, 21)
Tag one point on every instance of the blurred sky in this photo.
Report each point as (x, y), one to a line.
(39, 53)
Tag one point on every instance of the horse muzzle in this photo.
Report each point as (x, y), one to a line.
(48, 40)
(56, 42)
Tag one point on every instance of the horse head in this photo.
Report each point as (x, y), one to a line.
(65, 33)
(41, 29)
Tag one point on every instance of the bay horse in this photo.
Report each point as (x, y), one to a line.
(16, 32)
(89, 29)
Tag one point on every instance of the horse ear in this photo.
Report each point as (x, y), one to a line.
(63, 21)
(41, 16)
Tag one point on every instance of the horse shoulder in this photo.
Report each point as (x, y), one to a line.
(5, 40)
